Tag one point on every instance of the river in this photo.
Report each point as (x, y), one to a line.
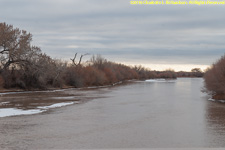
(142, 114)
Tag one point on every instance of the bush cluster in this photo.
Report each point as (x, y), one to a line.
(215, 79)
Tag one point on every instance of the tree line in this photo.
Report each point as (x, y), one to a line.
(25, 66)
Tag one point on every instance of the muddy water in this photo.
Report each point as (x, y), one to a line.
(150, 114)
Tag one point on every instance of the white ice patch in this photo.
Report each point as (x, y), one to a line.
(210, 99)
(6, 112)
(160, 80)
(222, 101)
(3, 103)
(55, 105)
(117, 83)
(65, 98)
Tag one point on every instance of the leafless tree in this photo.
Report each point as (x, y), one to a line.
(74, 59)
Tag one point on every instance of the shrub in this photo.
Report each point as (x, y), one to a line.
(215, 78)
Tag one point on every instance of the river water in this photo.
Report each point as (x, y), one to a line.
(142, 114)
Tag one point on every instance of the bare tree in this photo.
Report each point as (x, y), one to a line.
(74, 59)
(82, 57)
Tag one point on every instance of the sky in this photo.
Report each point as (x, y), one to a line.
(180, 37)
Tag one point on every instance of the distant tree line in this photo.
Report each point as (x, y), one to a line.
(23, 65)
(195, 72)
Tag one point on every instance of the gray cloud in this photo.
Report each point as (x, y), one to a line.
(120, 31)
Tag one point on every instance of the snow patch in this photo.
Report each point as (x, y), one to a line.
(3, 103)
(56, 105)
(160, 80)
(211, 99)
(117, 83)
(222, 101)
(6, 112)
(65, 98)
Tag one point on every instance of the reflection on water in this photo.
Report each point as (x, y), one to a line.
(215, 117)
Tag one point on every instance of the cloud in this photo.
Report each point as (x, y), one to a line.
(121, 32)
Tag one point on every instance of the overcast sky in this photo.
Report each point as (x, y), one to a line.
(156, 36)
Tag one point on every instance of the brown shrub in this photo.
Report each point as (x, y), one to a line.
(215, 77)
(110, 75)
(93, 76)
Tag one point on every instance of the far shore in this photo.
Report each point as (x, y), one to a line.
(5, 90)
(12, 90)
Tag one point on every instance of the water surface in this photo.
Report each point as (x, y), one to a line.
(144, 114)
